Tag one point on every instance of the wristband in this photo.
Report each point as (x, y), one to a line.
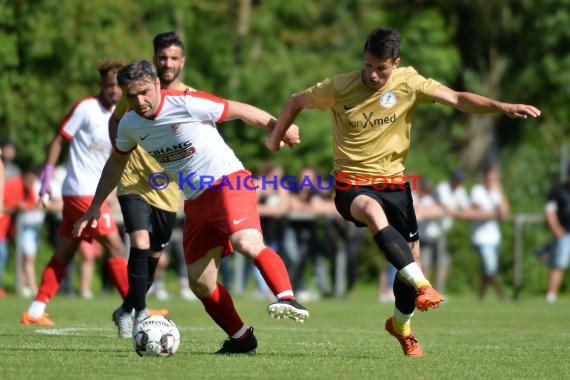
(45, 179)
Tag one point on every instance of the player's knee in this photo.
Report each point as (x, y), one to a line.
(248, 242)
(201, 287)
(369, 212)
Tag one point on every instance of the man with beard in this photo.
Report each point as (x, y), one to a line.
(149, 215)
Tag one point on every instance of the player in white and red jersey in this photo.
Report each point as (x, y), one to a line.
(86, 127)
(149, 215)
(178, 128)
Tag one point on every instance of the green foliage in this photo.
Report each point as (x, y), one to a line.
(261, 52)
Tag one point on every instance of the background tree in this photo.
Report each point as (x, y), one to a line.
(262, 51)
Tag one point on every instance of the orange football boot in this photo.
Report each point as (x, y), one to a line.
(409, 343)
(27, 319)
(428, 297)
(161, 312)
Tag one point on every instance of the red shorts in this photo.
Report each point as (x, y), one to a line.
(216, 214)
(74, 207)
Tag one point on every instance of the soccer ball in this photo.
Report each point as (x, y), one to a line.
(156, 336)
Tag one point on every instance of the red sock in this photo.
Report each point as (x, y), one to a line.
(119, 275)
(274, 272)
(51, 278)
(220, 307)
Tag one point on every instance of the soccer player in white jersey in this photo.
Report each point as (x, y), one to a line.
(372, 109)
(178, 128)
(149, 215)
(85, 126)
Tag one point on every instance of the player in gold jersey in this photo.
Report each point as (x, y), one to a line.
(149, 214)
(371, 119)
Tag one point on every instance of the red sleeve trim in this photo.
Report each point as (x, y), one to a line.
(65, 135)
(67, 116)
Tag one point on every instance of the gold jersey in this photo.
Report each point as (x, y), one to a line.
(140, 167)
(371, 127)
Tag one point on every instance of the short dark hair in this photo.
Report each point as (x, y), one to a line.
(106, 66)
(137, 70)
(167, 39)
(383, 43)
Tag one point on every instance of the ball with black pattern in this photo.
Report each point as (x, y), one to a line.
(156, 336)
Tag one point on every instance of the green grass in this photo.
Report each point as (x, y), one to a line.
(343, 339)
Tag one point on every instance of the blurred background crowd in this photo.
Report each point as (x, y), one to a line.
(502, 230)
(326, 256)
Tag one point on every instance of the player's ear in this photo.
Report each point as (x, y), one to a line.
(396, 62)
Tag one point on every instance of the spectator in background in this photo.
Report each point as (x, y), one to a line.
(435, 262)
(89, 252)
(302, 241)
(342, 237)
(8, 201)
(557, 212)
(489, 205)
(19, 196)
(3, 246)
(273, 204)
(1, 184)
(386, 282)
(8, 155)
(30, 219)
(451, 196)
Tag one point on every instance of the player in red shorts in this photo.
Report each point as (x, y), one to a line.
(179, 129)
(85, 126)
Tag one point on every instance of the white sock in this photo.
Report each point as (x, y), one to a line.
(240, 332)
(37, 309)
(286, 293)
(413, 275)
(401, 317)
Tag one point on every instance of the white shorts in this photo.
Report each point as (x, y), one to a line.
(28, 240)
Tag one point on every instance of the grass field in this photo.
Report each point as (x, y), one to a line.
(343, 339)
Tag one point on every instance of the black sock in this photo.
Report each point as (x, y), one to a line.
(138, 274)
(152, 264)
(394, 246)
(405, 296)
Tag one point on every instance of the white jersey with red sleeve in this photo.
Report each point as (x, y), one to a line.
(183, 138)
(86, 126)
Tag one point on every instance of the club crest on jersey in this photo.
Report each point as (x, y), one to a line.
(176, 129)
(388, 99)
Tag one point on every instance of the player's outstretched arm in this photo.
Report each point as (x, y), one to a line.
(260, 119)
(292, 108)
(110, 177)
(473, 103)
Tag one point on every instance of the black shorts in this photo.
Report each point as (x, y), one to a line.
(397, 203)
(139, 215)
